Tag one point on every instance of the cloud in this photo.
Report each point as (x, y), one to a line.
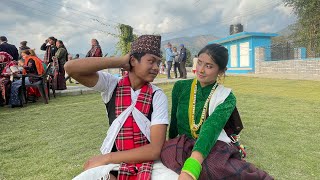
(76, 22)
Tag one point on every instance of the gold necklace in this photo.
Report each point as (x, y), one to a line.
(193, 98)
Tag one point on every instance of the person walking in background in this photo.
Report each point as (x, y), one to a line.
(162, 68)
(60, 58)
(194, 65)
(182, 60)
(9, 48)
(23, 46)
(68, 77)
(95, 50)
(70, 58)
(76, 56)
(50, 47)
(176, 64)
(169, 59)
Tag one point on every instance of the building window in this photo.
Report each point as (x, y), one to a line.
(244, 55)
(233, 56)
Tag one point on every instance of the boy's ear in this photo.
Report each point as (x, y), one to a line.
(132, 61)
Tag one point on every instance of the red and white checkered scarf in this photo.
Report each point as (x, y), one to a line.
(130, 136)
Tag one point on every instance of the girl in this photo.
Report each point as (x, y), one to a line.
(201, 109)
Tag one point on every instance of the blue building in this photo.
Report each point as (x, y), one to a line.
(241, 47)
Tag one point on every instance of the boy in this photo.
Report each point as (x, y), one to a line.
(137, 111)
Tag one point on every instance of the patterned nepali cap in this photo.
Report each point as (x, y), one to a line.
(148, 44)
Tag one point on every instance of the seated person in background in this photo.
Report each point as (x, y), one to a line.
(33, 53)
(137, 111)
(32, 65)
(200, 146)
(5, 83)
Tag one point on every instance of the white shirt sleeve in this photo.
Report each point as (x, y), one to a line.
(106, 84)
(160, 108)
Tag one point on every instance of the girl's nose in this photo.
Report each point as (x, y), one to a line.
(202, 69)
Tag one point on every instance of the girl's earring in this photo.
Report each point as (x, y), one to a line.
(221, 76)
(219, 80)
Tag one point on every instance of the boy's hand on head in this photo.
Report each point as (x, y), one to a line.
(126, 59)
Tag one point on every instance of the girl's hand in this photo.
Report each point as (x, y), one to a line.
(184, 176)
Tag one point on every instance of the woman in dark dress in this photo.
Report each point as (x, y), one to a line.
(59, 59)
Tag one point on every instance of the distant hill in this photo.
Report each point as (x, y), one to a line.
(286, 32)
(194, 44)
(284, 36)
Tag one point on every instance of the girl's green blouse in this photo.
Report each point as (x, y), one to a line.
(212, 126)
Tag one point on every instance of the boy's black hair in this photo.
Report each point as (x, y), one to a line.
(138, 56)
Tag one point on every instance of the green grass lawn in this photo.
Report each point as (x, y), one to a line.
(281, 119)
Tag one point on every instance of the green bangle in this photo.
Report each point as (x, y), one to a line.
(193, 167)
(190, 174)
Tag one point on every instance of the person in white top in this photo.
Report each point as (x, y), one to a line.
(194, 66)
(176, 64)
(138, 114)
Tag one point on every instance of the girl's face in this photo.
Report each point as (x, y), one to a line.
(94, 42)
(207, 70)
(24, 55)
(58, 44)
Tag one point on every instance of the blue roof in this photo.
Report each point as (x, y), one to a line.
(242, 35)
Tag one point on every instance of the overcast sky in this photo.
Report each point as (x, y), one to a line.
(77, 21)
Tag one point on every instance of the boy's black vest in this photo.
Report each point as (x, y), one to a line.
(234, 124)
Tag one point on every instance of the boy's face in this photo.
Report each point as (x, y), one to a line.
(148, 67)
(174, 49)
